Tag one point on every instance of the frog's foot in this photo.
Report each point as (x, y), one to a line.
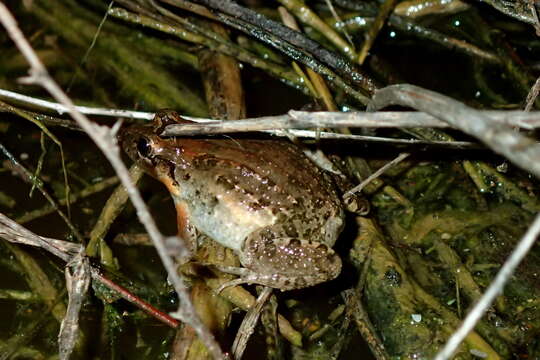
(246, 277)
(287, 263)
(250, 277)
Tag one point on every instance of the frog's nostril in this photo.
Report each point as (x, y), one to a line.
(143, 147)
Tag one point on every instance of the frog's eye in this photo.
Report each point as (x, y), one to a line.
(143, 147)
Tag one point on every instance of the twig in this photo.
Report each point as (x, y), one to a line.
(106, 141)
(248, 323)
(532, 8)
(304, 120)
(375, 175)
(77, 282)
(62, 109)
(494, 290)
(519, 149)
(13, 232)
(137, 301)
(533, 94)
(517, 118)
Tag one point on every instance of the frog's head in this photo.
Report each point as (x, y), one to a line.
(156, 155)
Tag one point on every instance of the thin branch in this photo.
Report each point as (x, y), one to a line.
(494, 290)
(305, 120)
(137, 301)
(519, 149)
(294, 119)
(533, 94)
(248, 323)
(65, 250)
(62, 109)
(375, 175)
(77, 281)
(105, 140)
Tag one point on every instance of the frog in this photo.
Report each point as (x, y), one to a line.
(262, 198)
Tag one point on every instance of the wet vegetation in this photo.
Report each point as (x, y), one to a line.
(441, 222)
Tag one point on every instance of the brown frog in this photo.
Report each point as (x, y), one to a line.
(262, 198)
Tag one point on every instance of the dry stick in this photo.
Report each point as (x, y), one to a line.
(499, 137)
(106, 141)
(248, 324)
(532, 8)
(62, 109)
(77, 282)
(375, 175)
(294, 119)
(386, 119)
(519, 149)
(303, 120)
(326, 119)
(14, 232)
(533, 94)
(494, 290)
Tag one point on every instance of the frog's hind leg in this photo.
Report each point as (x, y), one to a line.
(285, 263)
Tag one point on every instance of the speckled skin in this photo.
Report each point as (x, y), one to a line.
(263, 198)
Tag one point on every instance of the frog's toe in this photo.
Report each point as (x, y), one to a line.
(246, 277)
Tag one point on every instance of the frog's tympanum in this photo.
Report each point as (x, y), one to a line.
(262, 198)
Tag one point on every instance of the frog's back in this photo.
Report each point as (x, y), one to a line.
(262, 183)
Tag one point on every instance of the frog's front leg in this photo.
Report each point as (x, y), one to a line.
(285, 263)
(187, 234)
